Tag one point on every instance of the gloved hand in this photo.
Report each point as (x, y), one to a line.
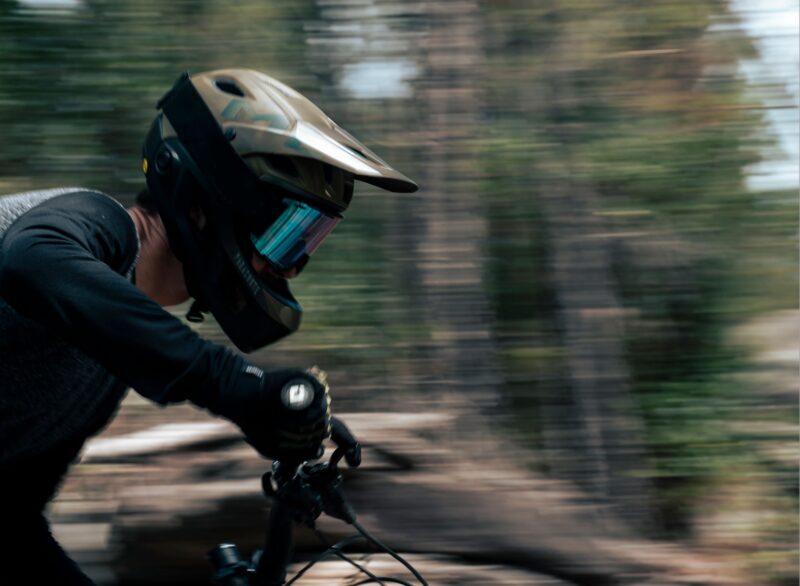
(284, 414)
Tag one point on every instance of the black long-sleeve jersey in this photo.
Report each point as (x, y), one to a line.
(75, 331)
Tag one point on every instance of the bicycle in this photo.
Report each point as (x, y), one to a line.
(301, 492)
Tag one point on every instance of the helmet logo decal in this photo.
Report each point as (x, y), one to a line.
(239, 109)
(144, 166)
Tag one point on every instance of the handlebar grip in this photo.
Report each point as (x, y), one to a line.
(271, 569)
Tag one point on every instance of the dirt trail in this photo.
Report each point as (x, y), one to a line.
(149, 504)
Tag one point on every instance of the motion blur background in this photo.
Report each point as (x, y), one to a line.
(593, 295)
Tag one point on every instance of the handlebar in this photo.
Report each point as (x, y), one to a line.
(299, 492)
(302, 492)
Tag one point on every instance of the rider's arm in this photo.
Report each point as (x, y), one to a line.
(63, 264)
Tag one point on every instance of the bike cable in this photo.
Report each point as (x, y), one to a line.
(390, 551)
(341, 555)
(331, 550)
(392, 580)
(336, 549)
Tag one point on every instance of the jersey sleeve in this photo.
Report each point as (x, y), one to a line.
(63, 264)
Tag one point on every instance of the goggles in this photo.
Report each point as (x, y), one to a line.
(294, 235)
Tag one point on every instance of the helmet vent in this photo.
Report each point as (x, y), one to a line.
(283, 165)
(360, 154)
(229, 87)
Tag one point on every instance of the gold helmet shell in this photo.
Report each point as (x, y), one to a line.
(273, 126)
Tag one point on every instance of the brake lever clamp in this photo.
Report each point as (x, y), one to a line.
(300, 498)
(325, 482)
(311, 490)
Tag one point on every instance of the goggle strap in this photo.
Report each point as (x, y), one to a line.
(203, 138)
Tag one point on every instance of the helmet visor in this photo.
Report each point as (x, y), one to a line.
(294, 235)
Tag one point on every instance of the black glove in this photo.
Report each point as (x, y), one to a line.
(284, 414)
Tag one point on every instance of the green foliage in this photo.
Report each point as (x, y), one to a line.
(646, 105)
(78, 87)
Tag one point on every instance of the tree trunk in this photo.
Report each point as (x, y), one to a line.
(604, 429)
(451, 245)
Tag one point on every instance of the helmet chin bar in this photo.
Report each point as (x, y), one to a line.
(221, 280)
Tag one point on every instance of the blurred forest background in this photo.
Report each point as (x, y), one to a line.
(600, 268)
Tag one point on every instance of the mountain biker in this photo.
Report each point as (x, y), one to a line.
(245, 178)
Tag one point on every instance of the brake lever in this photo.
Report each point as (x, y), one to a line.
(347, 444)
(334, 503)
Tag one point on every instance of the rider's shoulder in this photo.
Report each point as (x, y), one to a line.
(73, 199)
(81, 214)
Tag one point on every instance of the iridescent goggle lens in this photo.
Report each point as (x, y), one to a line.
(294, 235)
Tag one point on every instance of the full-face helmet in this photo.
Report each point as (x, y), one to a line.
(239, 163)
